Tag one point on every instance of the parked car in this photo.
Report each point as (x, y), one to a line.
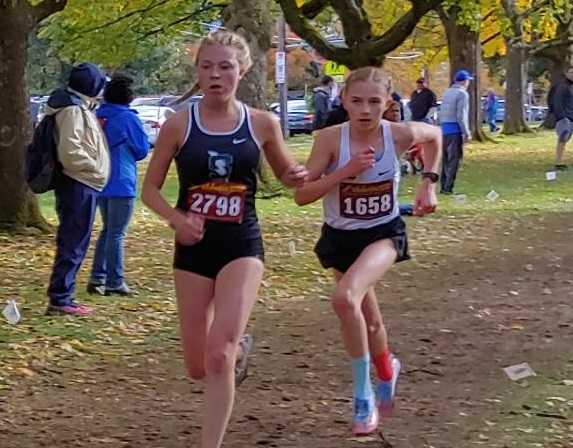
(300, 116)
(169, 100)
(145, 101)
(536, 113)
(532, 113)
(154, 111)
(152, 118)
(165, 101)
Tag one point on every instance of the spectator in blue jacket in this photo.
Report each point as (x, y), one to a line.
(491, 106)
(128, 144)
(454, 118)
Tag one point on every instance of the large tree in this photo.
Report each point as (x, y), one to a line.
(531, 27)
(363, 45)
(464, 49)
(18, 18)
(253, 20)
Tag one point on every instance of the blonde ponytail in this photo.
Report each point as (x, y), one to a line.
(191, 92)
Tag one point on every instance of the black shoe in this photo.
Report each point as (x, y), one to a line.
(446, 192)
(242, 366)
(94, 288)
(561, 167)
(123, 290)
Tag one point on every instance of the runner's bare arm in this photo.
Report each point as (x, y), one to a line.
(409, 134)
(167, 145)
(405, 136)
(322, 154)
(283, 164)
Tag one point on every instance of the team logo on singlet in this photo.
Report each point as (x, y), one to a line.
(220, 165)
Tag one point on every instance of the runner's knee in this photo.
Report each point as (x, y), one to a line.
(344, 303)
(374, 326)
(220, 356)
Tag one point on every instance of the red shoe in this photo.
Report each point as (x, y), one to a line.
(386, 390)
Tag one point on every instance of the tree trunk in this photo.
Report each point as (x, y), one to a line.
(252, 19)
(515, 90)
(465, 53)
(18, 206)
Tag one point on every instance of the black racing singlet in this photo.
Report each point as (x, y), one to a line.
(215, 158)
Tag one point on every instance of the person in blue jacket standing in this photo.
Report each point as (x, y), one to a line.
(491, 106)
(128, 144)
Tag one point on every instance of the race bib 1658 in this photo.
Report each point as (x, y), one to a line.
(366, 201)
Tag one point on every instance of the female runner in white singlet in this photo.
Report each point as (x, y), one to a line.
(355, 168)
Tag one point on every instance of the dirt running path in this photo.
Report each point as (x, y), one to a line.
(455, 319)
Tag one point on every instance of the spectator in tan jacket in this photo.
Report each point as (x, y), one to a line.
(84, 156)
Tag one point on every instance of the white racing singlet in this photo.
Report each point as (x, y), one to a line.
(371, 198)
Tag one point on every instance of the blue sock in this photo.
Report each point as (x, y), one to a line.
(361, 378)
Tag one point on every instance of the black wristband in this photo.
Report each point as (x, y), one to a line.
(432, 176)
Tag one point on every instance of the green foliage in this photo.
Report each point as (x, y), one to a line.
(45, 70)
(112, 32)
(163, 70)
(469, 12)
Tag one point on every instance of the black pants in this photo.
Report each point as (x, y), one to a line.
(452, 155)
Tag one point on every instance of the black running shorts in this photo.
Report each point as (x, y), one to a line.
(339, 249)
(208, 257)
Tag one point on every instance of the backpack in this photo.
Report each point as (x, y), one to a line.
(43, 170)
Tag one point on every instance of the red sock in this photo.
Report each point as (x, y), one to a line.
(382, 363)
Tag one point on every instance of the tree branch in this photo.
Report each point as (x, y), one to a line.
(540, 47)
(183, 19)
(151, 6)
(313, 8)
(301, 26)
(534, 8)
(490, 38)
(400, 31)
(488, 15)
(48, 7)
(354, 20)
(515, 19)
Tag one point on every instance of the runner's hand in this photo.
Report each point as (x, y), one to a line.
(426, 199)
(189, 228)
(295, 176)
(360, 162)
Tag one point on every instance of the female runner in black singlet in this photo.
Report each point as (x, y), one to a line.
(217, 145)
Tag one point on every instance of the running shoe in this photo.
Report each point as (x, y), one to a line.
(366, 417)
(242, 365)
(74, 309)
(386, 390)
